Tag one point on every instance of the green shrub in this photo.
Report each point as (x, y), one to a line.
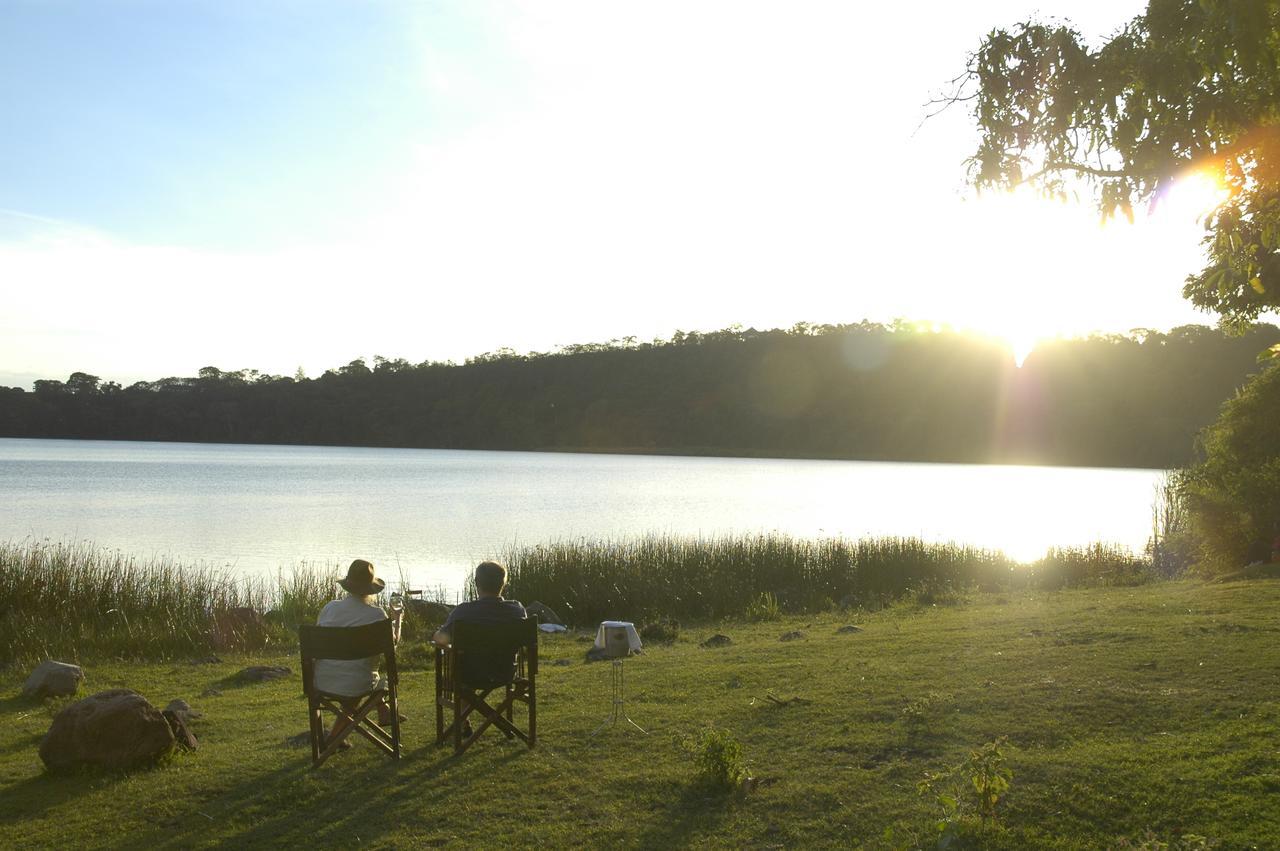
(924, 712)
(969, 793)
(718, 758)
(764, 608)
(1233, 492)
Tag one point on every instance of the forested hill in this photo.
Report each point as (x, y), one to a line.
(857, 391)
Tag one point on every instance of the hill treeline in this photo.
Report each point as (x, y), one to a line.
(862, 391)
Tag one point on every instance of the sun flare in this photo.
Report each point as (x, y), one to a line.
(1193, 195)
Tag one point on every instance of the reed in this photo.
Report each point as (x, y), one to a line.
(72, 601)
(701, 579)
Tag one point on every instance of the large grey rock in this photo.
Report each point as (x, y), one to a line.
(429, 610)
(543, 612)
(115, 729)
(239, 628)
(53, 679)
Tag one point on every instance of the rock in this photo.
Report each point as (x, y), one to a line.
(183, 710)
(53, 679)
(240, 628)
(717, 640)
(562, 663)
(597, 654)
(428, 610)
(263, 673)
(543, 613)
(848, 630)
(207, 660)
(181, 734)
(302, 740)
(794, 635)
(115, 729)
(661, 631)
(211, 692)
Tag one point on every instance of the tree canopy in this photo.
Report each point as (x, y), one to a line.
(1188, 86)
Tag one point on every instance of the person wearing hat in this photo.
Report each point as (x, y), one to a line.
(354, 677)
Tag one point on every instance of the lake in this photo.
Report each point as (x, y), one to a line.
(432, 514)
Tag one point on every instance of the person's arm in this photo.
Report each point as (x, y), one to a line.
(397, 616)
(441, 638)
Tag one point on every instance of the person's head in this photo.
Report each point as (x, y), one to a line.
(490, 578)
(361, 580)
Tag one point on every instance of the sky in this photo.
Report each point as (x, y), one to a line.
(285, 185)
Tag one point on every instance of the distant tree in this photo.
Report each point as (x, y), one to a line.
(83, 384)
(1190, 85)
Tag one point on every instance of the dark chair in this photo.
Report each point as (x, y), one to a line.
(350, 642)
(481, 659)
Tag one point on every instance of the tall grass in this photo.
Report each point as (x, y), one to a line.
(666, 577)
(74, 601)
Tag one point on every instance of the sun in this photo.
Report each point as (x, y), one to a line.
(1192, 195)
(1022, 344)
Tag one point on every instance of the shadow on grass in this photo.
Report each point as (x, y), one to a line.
(698, 810)
(40, 793)
(355, 797)
(30, 741)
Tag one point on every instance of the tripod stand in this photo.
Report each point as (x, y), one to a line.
(619, 711)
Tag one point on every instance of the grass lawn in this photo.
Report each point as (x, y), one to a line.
(1131, 715)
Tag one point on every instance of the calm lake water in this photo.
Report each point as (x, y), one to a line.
(435, 513)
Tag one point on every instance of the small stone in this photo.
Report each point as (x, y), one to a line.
(597, 654)
(263, 673)
(211, 692)
(794, 635)
(562, 663)
(207, 660)
(848, 630)
(183, 710)
(181, 734)
(717, 640)
(301, 740)
(53, 679)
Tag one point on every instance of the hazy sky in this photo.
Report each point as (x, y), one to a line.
(275, 184)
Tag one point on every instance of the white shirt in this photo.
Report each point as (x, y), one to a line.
(348, 677)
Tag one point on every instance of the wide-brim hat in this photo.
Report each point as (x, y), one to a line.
(361, 580)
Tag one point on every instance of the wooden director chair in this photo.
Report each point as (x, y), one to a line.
(482, 659)
(350, 642)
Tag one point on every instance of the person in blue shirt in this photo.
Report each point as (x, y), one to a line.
(489, 607)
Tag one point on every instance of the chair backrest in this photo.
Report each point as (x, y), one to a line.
(486, 654)
(346, 642)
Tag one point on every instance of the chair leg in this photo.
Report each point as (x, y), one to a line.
(457, 724)
(533, 716)
(395, 722)
(316, 725)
